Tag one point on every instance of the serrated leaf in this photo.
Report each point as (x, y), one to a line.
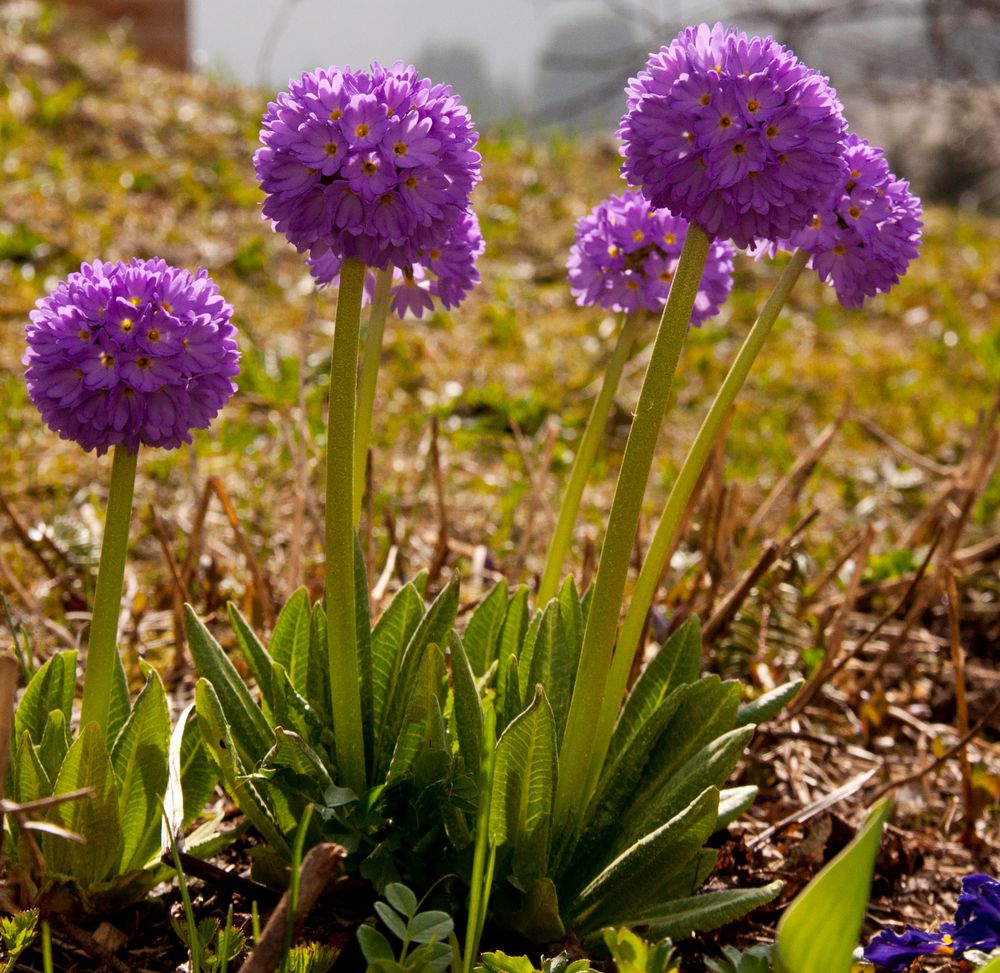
(766, 706)
(246, 724)
(677, 663)
(95, 818)
(52, 687)
(392, 633)
(481, 637)
(401, 899)
(515, 625)
(257, 659)
(703, 913)
(55, 743)
(31, 781)
(508, 704)
(818, 932)
(550, 665)
(498, 962)
(140, 759)
(290, 638)
(234, 775)
(467, 707)
(625, 886)
(524, 780)
(421, 715)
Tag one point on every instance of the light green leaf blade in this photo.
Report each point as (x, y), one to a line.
(52, 687)
(140, 759)
(481, 637)
(766, 706)
(467, 707)
(390, 637)
(819, 930)
(703, 913)
(290, 638)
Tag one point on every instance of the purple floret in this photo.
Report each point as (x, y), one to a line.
(374, 165)
(978, 914)
(863, 242)
(626, 253)
(131, 353)
(733, 133)
(446, 272)
(896, 951)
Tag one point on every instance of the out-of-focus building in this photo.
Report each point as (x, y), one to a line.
(158, 28)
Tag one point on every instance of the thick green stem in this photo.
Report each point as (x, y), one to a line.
(345, 676)
(371, 357)
(580, 746)
(584, 460)
(103, 642)
(662, 542)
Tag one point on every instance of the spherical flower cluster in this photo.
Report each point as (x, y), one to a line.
(131, 353)
(446, 272)
(370, 165)
(864, 240)
(626, 253)
(733, 133)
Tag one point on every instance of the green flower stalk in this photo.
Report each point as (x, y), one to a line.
(370, 360)
(102, 645)
(584, 460)
(342, 635)
(654, 562)
(580, 746)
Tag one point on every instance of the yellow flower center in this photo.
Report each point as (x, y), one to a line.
(434, 253)
(855, 212)
(638, 236)
(331, 148)
(362, 130)
(725, 121)
(336, 115)
(771, 131)
(839, 250)
(134, 301)
(705, 100)
(669, 238)
(152, 335)
(127, 325)
(83, 334)
(369, 168)
(612, 251)
(107, 360)
(816, 222)
(739, 148)
(167, 306)
(410, 182)
(143, 362)
(399, 148)
(753, 105)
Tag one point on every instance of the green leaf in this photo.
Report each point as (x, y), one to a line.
(250, 732)
(632, 954)
(363, 627)
(550, 665)
(571, 611)
(508, 704)
(139, 759)
(219, 740)
(703, 913)
(31, 781)
(391, 918)
(481, 637)
(392, 633)
(467, 707)
(55, 743)
(626, 885)
(515, 625)
(401, 899)
(95, 818)
(733, 801)
(421, 721)
(191, 776)
(121, 702)
(291, 751)
(290, 638)
(318, 690)
(374, 946)
(676, 664)
(993, 966)
(428, 927)
(502, 963)
(52, 687)
(537, 916)
(819, 930)
(291, 710)
(253, 651)
(524, 780)
(766, 706)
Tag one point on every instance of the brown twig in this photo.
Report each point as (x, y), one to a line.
(961, 703)
(180, 596)
(35, 549)
(318, 867)
(219, 878)
(441, 543)
(729, 605)
(85, 941)
(963, 742)
(901, 449)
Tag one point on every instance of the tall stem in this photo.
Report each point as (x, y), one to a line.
(371, 356)
(580, 746)
(345, 675)
(680, 494)
(102, 644)
(584, 460)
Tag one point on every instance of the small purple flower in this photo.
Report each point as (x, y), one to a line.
(446, 272)
(626, 253)
(863, 242)
(733, 133)
(375, 166)
(978, 914)
(896, 951)
(131, 353)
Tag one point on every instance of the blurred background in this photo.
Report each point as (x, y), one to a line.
(920, 77)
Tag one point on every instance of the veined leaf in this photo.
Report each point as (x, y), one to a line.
(819, 930)
(733, 801)
(318, 690)
(550, 665)
(95, 818)
(392, 633)
(703, 913)
(515, 625)
(508, 704)
(291, 751)
(215, 731)
(481, 637)
(55, 743)
(571, 611)
(290, 709)
(625, 886)
(422, 711)
(467, 708)
(524, 779)
(257, 658)
(525, 656)
(139, 759)
(121, 702)
(52, 687)
(290, 638)
(768, 705)
(251, 734)
(31, 780)
(677, 663)
(191, 778)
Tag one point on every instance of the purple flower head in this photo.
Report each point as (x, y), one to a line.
(864, 240)
(446, 272)
(374, 165)
(626, 253)
(131, 353)
(978, 914)
(733, 133)
(896, 951)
